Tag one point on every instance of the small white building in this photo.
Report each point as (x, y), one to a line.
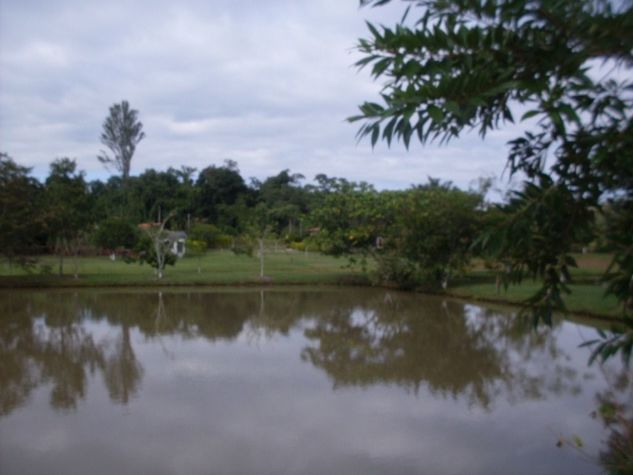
(177, 242)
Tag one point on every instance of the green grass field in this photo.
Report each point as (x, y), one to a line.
(587, 297)
(216, 268)
(226, 268)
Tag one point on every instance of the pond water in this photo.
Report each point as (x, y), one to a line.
(314, 381)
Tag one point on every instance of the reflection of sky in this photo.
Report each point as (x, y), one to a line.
(251, 405)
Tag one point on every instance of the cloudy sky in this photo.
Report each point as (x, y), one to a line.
(267, 83)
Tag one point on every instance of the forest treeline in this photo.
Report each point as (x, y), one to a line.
(428, 232)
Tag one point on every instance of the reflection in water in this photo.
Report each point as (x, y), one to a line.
(64, 342)
(452, 348)
(123, 372)
(45, 347)
(615, 410)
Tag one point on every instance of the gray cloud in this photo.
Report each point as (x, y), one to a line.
(268, 84)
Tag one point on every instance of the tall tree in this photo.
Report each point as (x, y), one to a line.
(122, 131)
(471, 64)
(68, 208)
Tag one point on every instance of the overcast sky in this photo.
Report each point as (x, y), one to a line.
(267, 83)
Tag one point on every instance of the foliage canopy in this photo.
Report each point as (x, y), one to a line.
(21, 216)
(563, 65)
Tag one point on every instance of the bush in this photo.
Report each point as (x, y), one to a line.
(144, 252)
(223, 241)
(297, 246)
(395, 270)
(294, 236)
(243, 245)
(45, 269)
(196, 248)
(205, 232)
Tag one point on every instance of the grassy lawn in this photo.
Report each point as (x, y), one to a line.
(587, 294)
(216, 267)
(585, 298)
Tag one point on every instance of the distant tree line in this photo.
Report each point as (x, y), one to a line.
(66, 210)
(424, 233)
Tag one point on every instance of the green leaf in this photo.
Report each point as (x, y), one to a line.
(387, 132)
(381, 66)
(436, 113)
(569, 112)
(366, 60)
(557, 121)
(374, 30)
(453, 107)
(374, 134)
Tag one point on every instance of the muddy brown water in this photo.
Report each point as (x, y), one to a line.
(285, 381)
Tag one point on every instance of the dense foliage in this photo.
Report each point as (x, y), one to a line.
(115, 233)
(564, 66)
(424, 233)
(435, 228)
(68, 208)
(21, 218)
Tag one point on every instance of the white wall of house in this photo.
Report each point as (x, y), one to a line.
(179, 247)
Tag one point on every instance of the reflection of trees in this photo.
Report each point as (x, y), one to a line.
(384, 344)
(615, 410)
(442, 345)
(63, 350)
(122, 372)
(45, 339)
(280, 312)
(188, 314)
(358, 337)
(63, 354)
(49, 346)
(16, 340)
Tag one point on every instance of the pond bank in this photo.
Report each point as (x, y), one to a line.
(223, 268)
(576, 304)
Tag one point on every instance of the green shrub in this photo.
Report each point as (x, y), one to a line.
(145, 252)
(395, 270)
(196, 248)
(243, 245)
(205, 232)
(45, 269)
(297, 246)
(223, 241)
